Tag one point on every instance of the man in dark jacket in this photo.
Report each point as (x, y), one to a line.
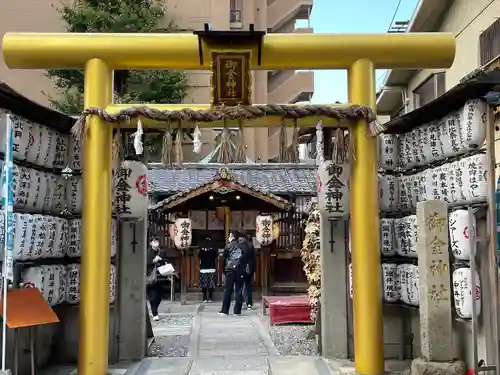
(234, 268)
(250, 269)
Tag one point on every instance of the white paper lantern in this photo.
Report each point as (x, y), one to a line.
(112, 284)
(114, 237)
(387, 245)
(21, 186)
(389, 275)
(444, 171)
(389, 192)
(414, 285)
(48, 146)
(33, 277)
(411, 228)
(462, 292)
(462, 180)
(417, 146)
(61, 154)
(459, 233)
(74, 238)
(75, 154)
(20, 137)
(402, 282)
(332, 183)
(50, 192)
(131, 190)
(454, 145)
(413, 190)
(74, 194)
(400, 237)
(404, 187)
(35, 142)
(350, 280)
(477, 174)
(183, 233)
(50, 237)
(444, 136)
(397, 280)
(264, 229)
(23, 230)
(388, 151)
(407, 151)
(73, 284)
(433, 179)
(38, 191)
(61, 239)
(60, 283)
(59, 195)
(39, 235)
(49, 285)
(473, 123)
(424, 149)
(435, 146)
(451, 180)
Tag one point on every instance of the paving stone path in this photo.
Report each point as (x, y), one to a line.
(196, 340)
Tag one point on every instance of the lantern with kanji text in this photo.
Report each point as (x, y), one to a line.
(182, 233)
(131, 190)
(264, 229)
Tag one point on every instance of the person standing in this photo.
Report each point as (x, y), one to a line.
(154, 290)
(208, 265)
(249, 269)
(234, 268)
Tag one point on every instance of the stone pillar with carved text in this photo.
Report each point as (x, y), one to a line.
(436, 332)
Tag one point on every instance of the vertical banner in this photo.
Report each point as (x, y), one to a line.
(7, 205)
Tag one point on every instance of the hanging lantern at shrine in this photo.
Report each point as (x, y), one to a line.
(264, 229)
(460, 233)
(182, 233)
(473, 123)
(462, 292)
(131, 190)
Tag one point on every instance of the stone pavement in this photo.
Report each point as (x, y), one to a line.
(216, 345)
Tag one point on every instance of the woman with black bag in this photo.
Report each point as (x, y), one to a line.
(154, 260)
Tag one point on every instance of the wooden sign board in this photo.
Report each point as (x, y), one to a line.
(27, 308)
(231, 79)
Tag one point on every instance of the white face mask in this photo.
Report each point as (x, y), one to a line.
(155, 244)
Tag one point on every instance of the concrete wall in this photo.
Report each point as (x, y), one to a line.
(466, 20)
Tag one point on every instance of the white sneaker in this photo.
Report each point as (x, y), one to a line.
(249, 307)
(221, 313)
(205, 301)
(209, 301)
(156, 318)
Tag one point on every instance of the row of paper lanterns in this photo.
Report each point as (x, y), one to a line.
(400, 282)
(181, 231)
(61, 284)
(452, 135)
(464, 181)
(41, 236)
(42, 145)
(37, 191)
(399, 236)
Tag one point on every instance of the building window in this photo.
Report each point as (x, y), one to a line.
(489, 43)
(235, 11)
(432, 88)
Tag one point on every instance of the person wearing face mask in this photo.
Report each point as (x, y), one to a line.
(154, 260)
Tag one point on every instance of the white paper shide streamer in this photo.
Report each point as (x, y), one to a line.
(197, 143)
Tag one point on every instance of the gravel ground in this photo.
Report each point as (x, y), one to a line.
(171, 345)
(293, 339)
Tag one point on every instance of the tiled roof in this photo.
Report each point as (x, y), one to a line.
(268, 178)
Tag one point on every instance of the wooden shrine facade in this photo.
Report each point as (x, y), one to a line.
(220, 199)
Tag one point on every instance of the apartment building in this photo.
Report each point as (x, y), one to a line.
(476, 27)
(274, 16)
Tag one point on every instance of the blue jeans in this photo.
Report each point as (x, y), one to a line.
(234, 280)
(248, 288)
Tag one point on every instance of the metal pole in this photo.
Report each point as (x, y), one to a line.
(93, 342)
(365, 230)
(473, 245)
(8, 202)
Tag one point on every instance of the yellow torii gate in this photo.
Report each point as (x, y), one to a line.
(100, 54)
